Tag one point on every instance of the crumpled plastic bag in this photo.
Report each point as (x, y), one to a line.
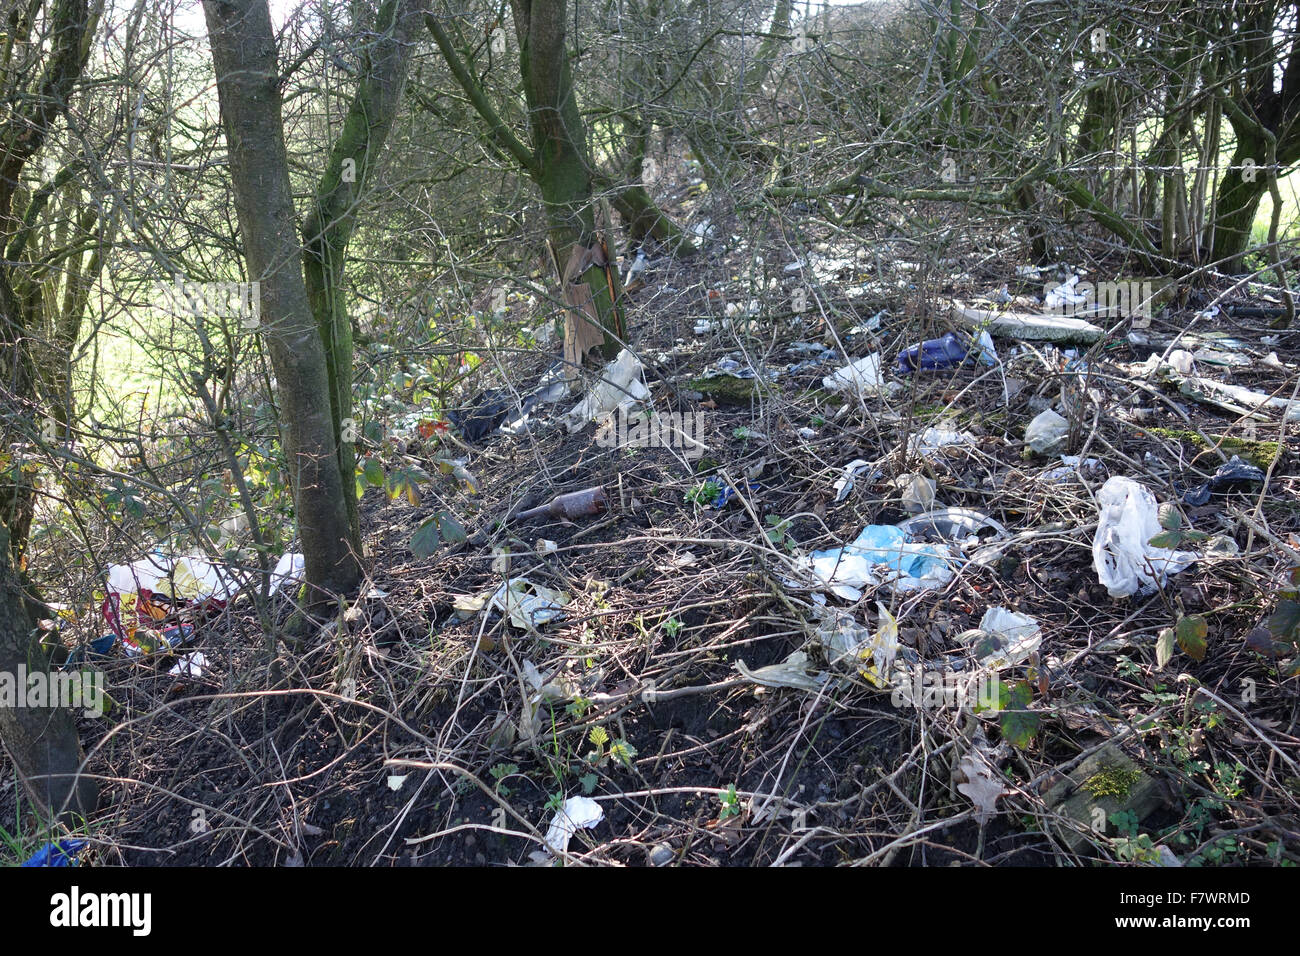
(1122, 554)
(577, 812)
(861, 376)
(620, 384)
(190, 577)
(288, 570)
(1006, 638)
(528, 605)
(792, 672)
(881, 554)
(1046, 432)
(844, 639)
(933, 441)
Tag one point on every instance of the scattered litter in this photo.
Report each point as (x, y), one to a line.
(154, 586)
(935, 439)
(862, 376)
(792, 673)
(950, 351)
(1208, 390)
(1027, 326)
(732, 367)
(577, 813)
(139, 641)
(569, 506)
(620, 385)
(1064, 295)
(816, 356)
(725, 495)
(844, 639)
(871, 325)
(1229, 476)
(1122, 554)
(951, 524)
(546, 546)
(1004, 638)
(881, 554)
(638, 266)
(483, 415)
(190, 665)
(844, 484)
(395, 781)
(528, 605)
(1047, 432)
(807, 434)
(734, 310)
(918, 493)
(1069, 468)
(288, 570)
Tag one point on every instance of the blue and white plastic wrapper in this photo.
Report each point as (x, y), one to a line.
(882, 554)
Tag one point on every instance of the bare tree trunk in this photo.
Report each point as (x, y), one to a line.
(244, 57)
(42, 741)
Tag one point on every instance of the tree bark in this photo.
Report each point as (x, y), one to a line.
(329, 227)
(244, 58)
(41, 741)
(562, 168)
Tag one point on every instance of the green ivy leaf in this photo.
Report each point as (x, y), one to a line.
(1019, 725)
(373, 472)
(1192, 631)
(1284, 623)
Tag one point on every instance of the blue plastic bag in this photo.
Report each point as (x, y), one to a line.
(62, 853)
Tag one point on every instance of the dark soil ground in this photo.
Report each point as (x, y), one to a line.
(301, 761)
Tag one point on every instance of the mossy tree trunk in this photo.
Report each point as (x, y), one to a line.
(64, 30)
(244, 58)
(41, 741)
(562, 167)
(329, 227)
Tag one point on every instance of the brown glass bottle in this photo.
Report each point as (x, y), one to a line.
(575, 504)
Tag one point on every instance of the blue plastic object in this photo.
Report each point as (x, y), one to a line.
(889, 545)
(948, 351)
(62, 853)
(726, 494)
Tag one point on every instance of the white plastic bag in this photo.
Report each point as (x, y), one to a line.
(861, 376)
(620, 385)
(1121, 551)
(1046, 432)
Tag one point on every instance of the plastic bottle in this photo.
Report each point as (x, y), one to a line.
(947, 352)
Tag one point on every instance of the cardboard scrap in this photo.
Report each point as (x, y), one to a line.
(582, 329)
